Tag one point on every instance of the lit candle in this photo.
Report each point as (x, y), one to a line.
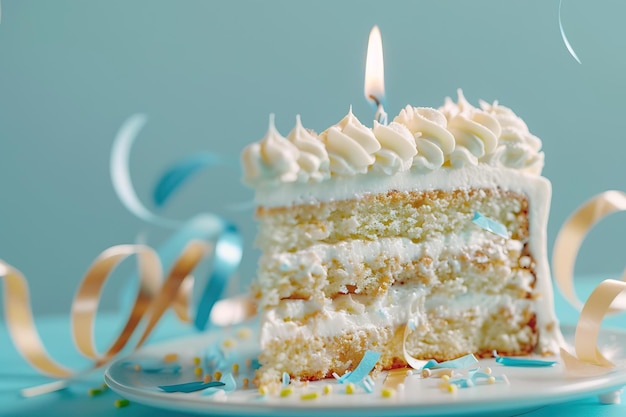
(375, 75)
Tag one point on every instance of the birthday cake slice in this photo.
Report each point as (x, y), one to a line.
(436, 221)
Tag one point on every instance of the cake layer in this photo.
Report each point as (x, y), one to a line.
(485, 262)
(416, 215)
(301, 339)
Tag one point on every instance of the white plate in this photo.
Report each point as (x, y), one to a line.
(528, 388)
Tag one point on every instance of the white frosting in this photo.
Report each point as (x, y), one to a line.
(313, 158)
(419, 138)
(350, 313)
(272, 160)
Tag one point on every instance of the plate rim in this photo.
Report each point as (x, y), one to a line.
(182, 402)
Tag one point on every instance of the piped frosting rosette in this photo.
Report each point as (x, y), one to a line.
(419, 139)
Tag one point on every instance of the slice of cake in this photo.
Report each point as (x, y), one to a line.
(438, 219)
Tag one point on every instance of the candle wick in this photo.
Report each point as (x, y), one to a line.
(381, 115)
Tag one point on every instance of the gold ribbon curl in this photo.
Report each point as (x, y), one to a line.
(154, 297)
(588, 360)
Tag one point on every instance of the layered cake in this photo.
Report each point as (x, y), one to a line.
(436, 221)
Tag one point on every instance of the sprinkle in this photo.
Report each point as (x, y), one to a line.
(198, 371)
(440, 373)
(350, 388)
(229, 343)
(249, 363)
(409, 372)
(170, 357)
(491, 380)
(412, 325)
(263, 390)
(94, 391)
(104, 387)
(246, 383)
(451, 388)
(217, 375)
(286, 379)
(285, 392)
(490, 225)
(153, 366)
(445, 377)
(367, 384)
(121, 403)
(487, 370)
(328, 389)
(425, 373)
(244, 333)
(196, 360)
(137, 368)
(235, 368)
(388, 392)
(207, 378)
(506, 361)
(190, 386)
(310, 396)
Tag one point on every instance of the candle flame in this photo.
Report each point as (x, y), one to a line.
(375, 69)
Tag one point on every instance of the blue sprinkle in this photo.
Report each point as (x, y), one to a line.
(530, 363)
(229, 382)
(154, 366)
(286, 379)
(412, 325)
(490, 225)
(190, 386)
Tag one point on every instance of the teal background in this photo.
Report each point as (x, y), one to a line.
(208, 73)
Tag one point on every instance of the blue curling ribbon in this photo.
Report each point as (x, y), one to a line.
(463, 362)
(209, 227)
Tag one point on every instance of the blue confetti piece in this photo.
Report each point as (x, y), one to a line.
(229, 382)
(463, 362)
(286, 379)
(530, 363)
(368, 362)
(490, 225)
(191, 386)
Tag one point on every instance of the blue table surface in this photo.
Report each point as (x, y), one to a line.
(15, 373)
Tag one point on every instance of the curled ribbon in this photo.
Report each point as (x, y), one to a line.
(588, 360)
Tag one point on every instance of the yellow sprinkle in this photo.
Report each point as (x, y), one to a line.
(229, 343)
(196, 360)
(137, 368)
(445, 377)
(387, 392)
(443, 385)
(246, 382)
(170, 357)
(244, 333)
(350, 388)
(426, 373)
(451, 388)
(198, 371)
(491, 380)
(309, 396)
(217, 375)
(235, 368)
(207, 378)
(487, 370)
(104, 387)
(94, 391)
(328, 389)
(263, 390)
(285, 392)
(121, 403)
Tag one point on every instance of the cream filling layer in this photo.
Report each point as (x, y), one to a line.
(349, 313)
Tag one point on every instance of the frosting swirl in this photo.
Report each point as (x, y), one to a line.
(313, 158)
(350, 146)
(432, 140)
(474, 129)
(397, 147)
(272, 160)
(517, 147)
